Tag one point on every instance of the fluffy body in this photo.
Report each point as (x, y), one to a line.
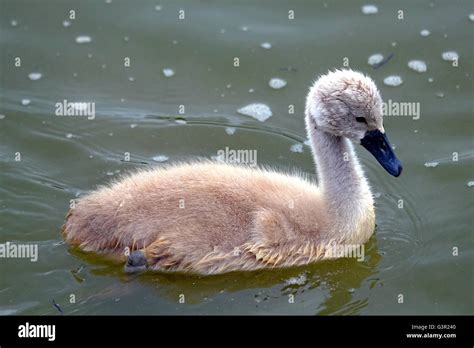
(208, 217)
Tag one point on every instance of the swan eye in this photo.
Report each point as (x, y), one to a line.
(361, 119)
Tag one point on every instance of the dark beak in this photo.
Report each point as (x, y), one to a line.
(377, 144)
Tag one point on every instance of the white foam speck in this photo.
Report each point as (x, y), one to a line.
(230, 130)
(259, 111)
(369, 9)
(160, 158)
(133, 125)
(251, 90)
(431, 164)
(168, 72)
(131, 79)
(2, 117)
(470, 184)
(471, 17)
(299, 280)
(430, 79)
(158, 8)
(228, 86)
(296, 148)
(126, 38)
(307, 142)
(66, 24)
(244, 28)
(377, 195)
(35, 76)
(425, 32)
(393, 80)
(277, 83)
(266, 45)
(13, 23)
(375, 59)
(439, 94)
(83, 39)
(69, 135)
(25, 102)
(450, 56)
(417, 65)
(180, 121)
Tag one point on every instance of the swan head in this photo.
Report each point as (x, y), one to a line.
(346, 103)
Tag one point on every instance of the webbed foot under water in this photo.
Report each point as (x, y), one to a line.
(136, 262)
(207, 218)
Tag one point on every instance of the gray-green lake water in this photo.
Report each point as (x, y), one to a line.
(423, 250)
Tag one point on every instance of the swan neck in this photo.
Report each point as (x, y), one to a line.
(340, 176)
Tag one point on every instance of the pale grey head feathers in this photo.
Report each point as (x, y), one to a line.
(345, 103)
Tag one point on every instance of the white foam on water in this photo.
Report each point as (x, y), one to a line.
(296, 148)
(66, 24)
(307, 142)
(13, 23)
(417, 65)
(251, 90)
(266, 45)
(471, 17)
(82, 39)
(393, 80)
(299, 280)
(180, 121)
(160, 158)
(2, 117)
(131, 79)
(450, 56)
(158, 8)
(244, 28)
(375, 59)
(133, 125)
(69, 135)
(425, 33)
(369, 9)
(25, 102)
(259, 111)
(431, 164)
(168, 72)
(230, 130)
(470, 183)
(35, 76)
(277, 83)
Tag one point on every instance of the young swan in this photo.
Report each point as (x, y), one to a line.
(210, 218)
